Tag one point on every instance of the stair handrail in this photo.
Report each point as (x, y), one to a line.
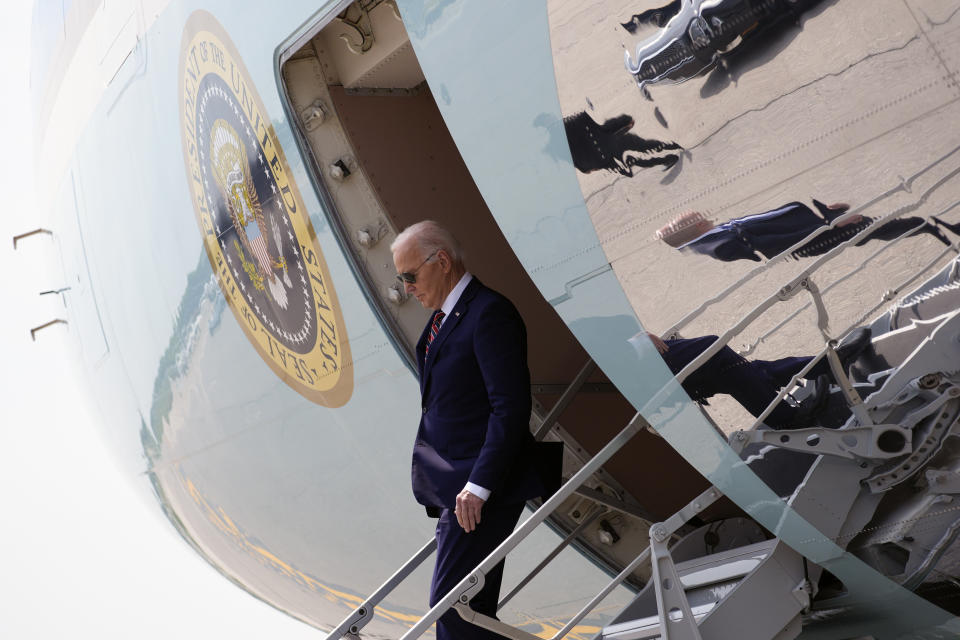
(473, 581)
(886, 246)
(360, 616)
(587, 520)
(905, 185)
(887, 297)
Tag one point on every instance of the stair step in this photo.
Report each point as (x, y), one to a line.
(705, 580)
(649, 627)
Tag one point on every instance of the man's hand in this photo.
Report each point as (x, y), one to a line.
(468, 510)
(658, 343)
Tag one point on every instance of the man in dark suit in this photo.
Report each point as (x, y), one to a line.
(473, 456)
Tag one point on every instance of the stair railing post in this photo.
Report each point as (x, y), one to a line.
(464, 587)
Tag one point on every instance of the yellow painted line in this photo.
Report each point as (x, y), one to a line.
(540, 627)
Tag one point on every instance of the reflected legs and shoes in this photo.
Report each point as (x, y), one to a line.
(811, 406)
(617, 125)
(611, 146)
(666, 161)
(897, 227)
(749, 382)
(755, 383)
(853, 345)
(936, 233)
(849, 349)
(831, 212)
(950, 226)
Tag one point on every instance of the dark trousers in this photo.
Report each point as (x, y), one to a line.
(752, 383)
(769, 233)
(458, 553)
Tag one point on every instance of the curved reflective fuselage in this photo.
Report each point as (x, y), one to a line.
(274, 422)
(237, 355)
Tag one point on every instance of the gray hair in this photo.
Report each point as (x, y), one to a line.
(429, 237)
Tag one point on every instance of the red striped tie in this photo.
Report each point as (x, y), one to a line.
(434, 330)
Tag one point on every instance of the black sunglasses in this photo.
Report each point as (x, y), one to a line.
(410, 277)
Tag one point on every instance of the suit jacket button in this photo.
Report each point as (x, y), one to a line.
(424, 409)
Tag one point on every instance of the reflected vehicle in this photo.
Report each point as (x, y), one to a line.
(701, 34)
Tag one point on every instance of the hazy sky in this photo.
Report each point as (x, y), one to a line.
(84, 555)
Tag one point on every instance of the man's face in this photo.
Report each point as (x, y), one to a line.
(429, 288)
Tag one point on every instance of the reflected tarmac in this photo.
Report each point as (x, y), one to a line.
(870, 122)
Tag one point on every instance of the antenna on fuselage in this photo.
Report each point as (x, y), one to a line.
(28, 234)
(59, 291)
(33, 331)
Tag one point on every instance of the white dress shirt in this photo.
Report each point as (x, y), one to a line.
(454, 296)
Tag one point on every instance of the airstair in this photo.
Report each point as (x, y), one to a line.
(901, 403)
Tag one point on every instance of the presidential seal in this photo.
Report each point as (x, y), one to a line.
(255, 227)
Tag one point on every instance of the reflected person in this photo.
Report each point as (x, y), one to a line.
(770, 233)
(756, 383)
(611, 146)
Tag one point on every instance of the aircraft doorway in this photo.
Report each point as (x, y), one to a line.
(382, 159)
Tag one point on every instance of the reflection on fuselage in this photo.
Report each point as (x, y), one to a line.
(696, 36)
(612, 147)
(792, 228)
(795, 105)
(294, 498)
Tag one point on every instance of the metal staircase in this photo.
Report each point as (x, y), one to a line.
(903, 406)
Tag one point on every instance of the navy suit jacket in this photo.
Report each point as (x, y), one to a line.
(475, 421)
